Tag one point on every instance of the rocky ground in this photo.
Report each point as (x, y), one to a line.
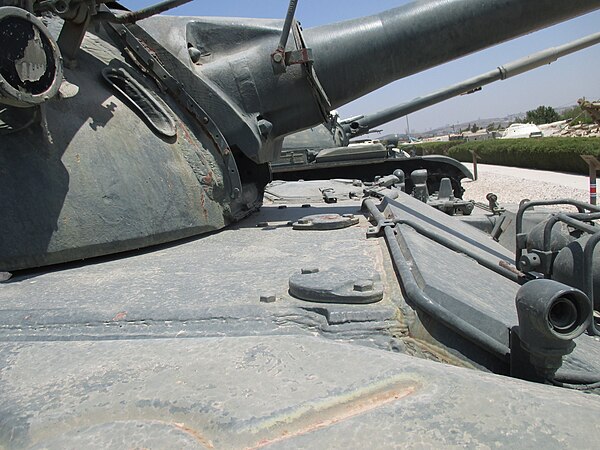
(511, 185)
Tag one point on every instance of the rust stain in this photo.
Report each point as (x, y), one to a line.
(119, 316)
(208, 178)
(204, 210)
(195, 434)
(317, 420)
(186, 133)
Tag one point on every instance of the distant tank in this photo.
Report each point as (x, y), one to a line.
(327, 151)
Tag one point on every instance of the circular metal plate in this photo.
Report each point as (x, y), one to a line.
(325, 222)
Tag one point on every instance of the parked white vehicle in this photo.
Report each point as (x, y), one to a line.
(522, 131)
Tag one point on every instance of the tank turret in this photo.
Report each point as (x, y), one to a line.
(123, 130)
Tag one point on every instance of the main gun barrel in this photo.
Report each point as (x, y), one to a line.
(356, 57)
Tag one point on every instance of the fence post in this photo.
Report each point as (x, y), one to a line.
(593, 165)
(475, 158)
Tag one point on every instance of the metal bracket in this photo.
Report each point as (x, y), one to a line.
(280, 59)
(329, 195)
(302, 56)
(378, 230)
(305, 58)
(72, 34)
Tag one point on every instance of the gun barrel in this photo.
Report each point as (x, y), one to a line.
(356, 57)
(363, 124)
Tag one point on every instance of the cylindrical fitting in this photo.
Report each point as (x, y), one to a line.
(551, 315)
(31, 69)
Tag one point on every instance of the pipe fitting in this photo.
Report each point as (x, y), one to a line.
(551, 315)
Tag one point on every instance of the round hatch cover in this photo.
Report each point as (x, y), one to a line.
(325, 222)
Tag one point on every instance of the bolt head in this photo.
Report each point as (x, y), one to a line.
(277, 57)
(267, 298)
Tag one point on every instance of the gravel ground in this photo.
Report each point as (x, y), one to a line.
(513, 185)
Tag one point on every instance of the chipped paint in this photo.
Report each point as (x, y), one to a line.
(119, 316)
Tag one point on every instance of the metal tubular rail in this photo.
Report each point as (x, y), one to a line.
(422, 301)
(581, 207)
(143, 13)
(512, 276)
(588, 276)
(575, 220)
(361, 125)
(287, 25)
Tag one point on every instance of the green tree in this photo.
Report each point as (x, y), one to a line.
(543, 114)
(474, 128)
(576, 115)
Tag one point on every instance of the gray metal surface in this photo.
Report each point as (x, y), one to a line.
(435, 28)
(276, 392)
(177, 348)
(441, 271)
(92, 187)
(187, 288)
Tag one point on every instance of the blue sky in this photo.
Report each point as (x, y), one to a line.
(559, 84)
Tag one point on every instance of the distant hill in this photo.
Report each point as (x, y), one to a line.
(481, 123)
